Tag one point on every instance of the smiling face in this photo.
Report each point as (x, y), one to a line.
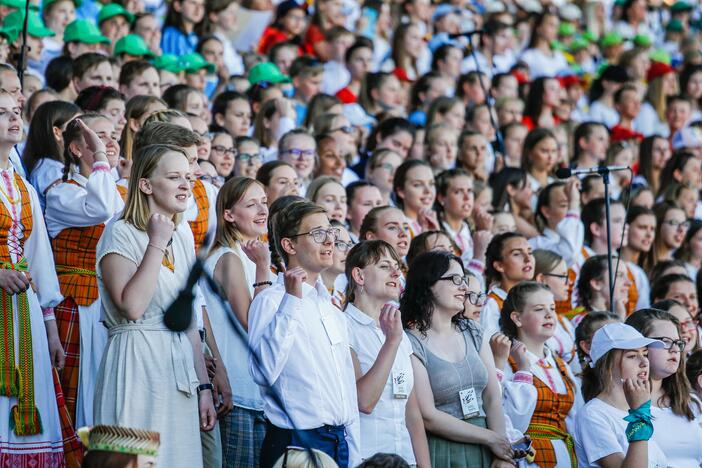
(168, 187)
(304, 162)
(380, 280)
(332, 197)
(447, 295)
(392, 227)
(331, 160)
(537, 320)
(283, 182)
(419, 191)
(109, 136)
(250, 213)
(339, 265)
(303, 251)
(663, 362)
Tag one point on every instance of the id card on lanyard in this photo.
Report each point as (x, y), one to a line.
(469, 403)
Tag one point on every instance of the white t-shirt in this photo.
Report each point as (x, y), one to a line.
(680, 439)
(600, 431)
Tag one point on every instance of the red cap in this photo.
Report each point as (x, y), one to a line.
(569, 80)
(657, 70)
(401, 74)
(620, 133)
(521, 77)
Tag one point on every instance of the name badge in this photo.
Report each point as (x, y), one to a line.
(400, 385)
(469, 403)
(332, 330)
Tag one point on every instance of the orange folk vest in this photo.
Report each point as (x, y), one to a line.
(200, 223)
(6, 224)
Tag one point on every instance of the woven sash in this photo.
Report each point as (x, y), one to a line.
(18, 381)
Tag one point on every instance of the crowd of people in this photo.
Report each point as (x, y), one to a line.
(392, 273)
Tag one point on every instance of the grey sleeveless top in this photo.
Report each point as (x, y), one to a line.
(447, 379)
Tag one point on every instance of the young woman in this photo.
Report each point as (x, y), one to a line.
(541, 103)
(142, 262)
(475, 297)
(640, 237)
(654, 153)
(381, 351)
(222, 153)
(179, 37)
(138, 109)
(380, 171)
(457, 388)
(273, 120)
(540, 394)
(441, 147)
(539, 55)
(662, 83)
(328, 192)
(359, 61)
(333, 277)
(76, 213)
(388, 224)
(551, 270)
(557, 217)
(616, 385)
(240, 263)
(409, 55)
(691, 249)
(220, 20)
(509, 260)
(584, 332)
(539, 157)
(381, 92)
(415, 190)
(248, 157)
(428, 241)
(675, 413)
(513, 194)
(688, 327)
(106, 101)
(43, 152)
(671, 228)
(32, 433)
(278, 179)
(602, 94)
(455, 199)
(288, 25)
(594, 290)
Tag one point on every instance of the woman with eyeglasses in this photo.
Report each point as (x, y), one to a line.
(676, 414)
(248, 157)
(240, 263)
(688, 323)
(390, 418)
(333, 277)
(475, 297)
(222, 152)
(380, 171)
(454, 374)
(671, 228)
(551, 270)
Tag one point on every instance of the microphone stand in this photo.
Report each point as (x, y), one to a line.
(23, 48)
(608, 222)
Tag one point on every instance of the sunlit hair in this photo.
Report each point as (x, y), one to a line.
(231, 192)
(136, 210)
(515, 302)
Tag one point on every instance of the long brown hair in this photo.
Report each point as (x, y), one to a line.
(231, 192)
(361, 255)
(596, 380)
(676, 388)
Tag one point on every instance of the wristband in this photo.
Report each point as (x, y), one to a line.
(205, 386)
(640, 426)
(263, 283)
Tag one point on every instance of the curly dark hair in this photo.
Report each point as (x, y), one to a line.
(417, 302)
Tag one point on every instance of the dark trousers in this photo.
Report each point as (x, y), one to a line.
(328, 439)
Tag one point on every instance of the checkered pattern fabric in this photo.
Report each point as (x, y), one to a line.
(67, 321)
(243, 431)
(72, 448)
(199, 224)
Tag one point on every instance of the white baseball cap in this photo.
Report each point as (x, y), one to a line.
(617, 336)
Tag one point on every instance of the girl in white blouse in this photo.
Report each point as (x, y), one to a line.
(390, 417)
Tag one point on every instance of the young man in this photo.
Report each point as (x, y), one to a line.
(139, 78)
(92, 69)
(306, 74)
(300, 346)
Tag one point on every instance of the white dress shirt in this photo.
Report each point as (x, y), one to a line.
(566, 240)
(303, 353)
(385, 429)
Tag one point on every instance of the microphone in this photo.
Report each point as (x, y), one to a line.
(478, 32)
(565, 172)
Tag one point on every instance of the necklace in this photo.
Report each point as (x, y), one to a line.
(12, 200)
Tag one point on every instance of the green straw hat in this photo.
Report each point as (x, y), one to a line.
(132, 44)
(194, 62)
(114, 9)
(84, 31)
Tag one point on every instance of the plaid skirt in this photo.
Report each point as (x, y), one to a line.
(448, 454)
(243, 431)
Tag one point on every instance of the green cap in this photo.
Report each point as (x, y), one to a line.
(679, 6)
(35, 26)
(661, 56)
(566, 29)
(266, 71)
(168, 62)
(114, 9)
(579, 43)
(84, 31)
(590, 36)
(46, 3)
(642, 40)
(619, 3)
(674, 25)
(194, 62)
(132, 44)
(611, 39)
(12, 3)
(558, 45)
